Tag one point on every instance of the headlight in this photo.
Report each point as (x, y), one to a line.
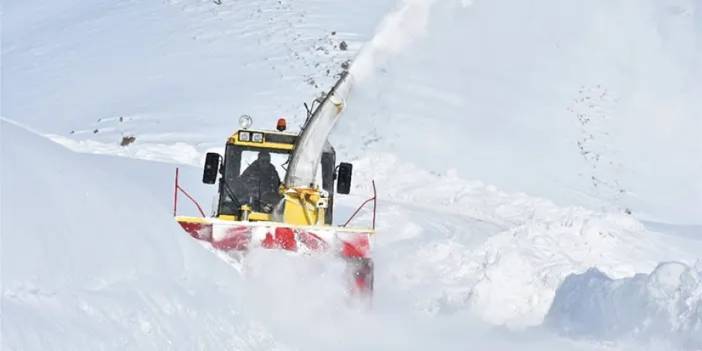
(257, 137)
(245, 121)
(244, 136)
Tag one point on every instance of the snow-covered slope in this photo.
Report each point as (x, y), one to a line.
(589, 103)
(106, 266)
(174, 70)
(92, 259)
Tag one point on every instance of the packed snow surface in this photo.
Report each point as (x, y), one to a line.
(544, 98)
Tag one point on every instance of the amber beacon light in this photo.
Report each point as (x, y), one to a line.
(281, 125)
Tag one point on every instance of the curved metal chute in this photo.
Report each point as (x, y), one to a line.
(308, 149)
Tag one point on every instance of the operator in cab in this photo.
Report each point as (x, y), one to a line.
(262, 183)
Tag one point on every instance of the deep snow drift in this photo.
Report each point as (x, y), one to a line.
(92, 259)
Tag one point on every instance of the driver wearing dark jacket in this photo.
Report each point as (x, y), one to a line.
(262, 183)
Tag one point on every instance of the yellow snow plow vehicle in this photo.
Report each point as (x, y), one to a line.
(255, 208)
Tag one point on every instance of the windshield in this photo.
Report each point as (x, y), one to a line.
(252, 178)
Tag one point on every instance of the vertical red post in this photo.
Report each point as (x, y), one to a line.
(175, 194)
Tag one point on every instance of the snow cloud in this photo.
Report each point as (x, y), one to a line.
(395, 33)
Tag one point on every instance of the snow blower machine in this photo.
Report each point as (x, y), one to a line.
(256, 209)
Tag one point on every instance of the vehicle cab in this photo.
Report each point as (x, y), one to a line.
(251, 171)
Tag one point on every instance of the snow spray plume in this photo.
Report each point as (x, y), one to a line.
(395, 33)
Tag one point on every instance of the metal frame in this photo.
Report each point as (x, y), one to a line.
(375, 202)
(175, 196)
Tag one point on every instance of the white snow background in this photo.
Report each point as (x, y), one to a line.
(592, 104)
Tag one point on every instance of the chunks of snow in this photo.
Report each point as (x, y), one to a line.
(667, 303)
(500, 255)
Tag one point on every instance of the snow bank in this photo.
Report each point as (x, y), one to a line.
(92, 258)
(500, 255)
(665, 303)
(178, 152)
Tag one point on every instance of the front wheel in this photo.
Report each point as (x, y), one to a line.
(361, 270)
